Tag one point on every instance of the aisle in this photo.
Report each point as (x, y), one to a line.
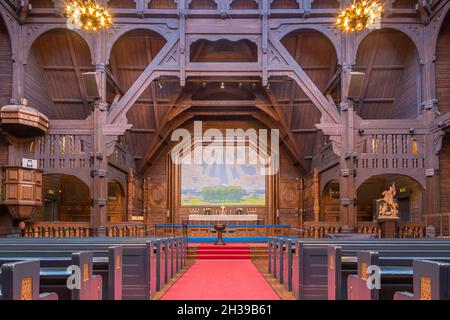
(221, 280)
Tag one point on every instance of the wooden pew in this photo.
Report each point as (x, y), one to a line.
(166, 242)
(20, 281)
(106, 263)
(53, 275)
(431, 281)
(310, 261)
(270, 246)
(132, 289)
(342, 262)
(136, 264)
(278, 270)
(288, 252)
(396, 274)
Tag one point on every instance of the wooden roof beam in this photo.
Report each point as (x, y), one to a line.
(282, 119)
(328, 110)
(159, 133)
(77, 71)
(369, 69)
(142, 82)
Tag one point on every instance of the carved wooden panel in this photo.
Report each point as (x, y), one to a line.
(157, 194)
(289, 194)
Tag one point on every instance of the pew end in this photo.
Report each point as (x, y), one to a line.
(20, 281)
(431, 281)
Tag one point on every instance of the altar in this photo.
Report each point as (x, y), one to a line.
(212, 218)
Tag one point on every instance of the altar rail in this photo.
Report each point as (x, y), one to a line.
(82, 229)
(232, 230)
(322, 229)
(440, 221)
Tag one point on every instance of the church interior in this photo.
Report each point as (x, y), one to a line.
(299, 149)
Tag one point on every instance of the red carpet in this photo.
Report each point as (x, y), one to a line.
(221, 280)
(225, 252)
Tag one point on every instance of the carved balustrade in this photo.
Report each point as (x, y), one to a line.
(63, 153)
(83, 229)
(440, 221)
(391, 153)
(322, 229)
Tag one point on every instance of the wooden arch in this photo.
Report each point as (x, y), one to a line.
(407, 32)
(117, 33)
(30, 40)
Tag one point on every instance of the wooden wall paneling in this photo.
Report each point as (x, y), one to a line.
(62, 56)
(390, 89)
(125, 4)
(444, 173)
(284, 4)
(162, 4)
(202, 4)
(325, 4)
(330, 202)
(442, 66)
(36, 90)
(42, 3)
(244, 5)
(6, 65)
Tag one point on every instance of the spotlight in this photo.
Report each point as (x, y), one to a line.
(222, 85)
(160, 86)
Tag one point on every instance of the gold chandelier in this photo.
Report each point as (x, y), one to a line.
(362, 14)
(87, 15)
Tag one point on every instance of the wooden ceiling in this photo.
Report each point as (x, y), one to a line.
(223, 51)
(443, 66)
(388, 57)
(391, 86)
(317, 56)
(5, 65)
(129, 57)
(53, 83)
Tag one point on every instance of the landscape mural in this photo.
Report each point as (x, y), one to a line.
(222, 184)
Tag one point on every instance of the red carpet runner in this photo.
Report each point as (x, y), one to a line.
(221, 280)
(226, 252)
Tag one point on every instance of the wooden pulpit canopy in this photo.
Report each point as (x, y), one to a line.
(23, 121)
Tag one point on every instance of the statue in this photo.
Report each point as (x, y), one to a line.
(222, 209)
(387, 206)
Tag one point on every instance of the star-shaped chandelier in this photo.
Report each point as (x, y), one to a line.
(361, 15)
(87, 15)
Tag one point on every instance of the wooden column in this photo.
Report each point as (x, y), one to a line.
(316, 194)
(146, 199)
(131, 194)
(347, 169)
(429, 103)
(99, 210)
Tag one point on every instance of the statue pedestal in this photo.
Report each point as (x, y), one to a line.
(388, 227)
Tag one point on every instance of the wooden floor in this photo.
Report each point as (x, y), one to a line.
(279, 288)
